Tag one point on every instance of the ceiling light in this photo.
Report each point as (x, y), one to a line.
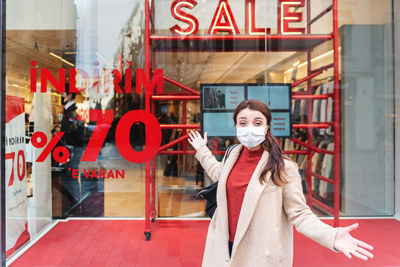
(63, 60)
(312, 60)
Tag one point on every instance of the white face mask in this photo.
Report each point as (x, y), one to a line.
(251, 136)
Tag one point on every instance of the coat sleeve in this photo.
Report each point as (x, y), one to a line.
(210, 164)
(299, 213)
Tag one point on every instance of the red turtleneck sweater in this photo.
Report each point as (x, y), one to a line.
(236, 185)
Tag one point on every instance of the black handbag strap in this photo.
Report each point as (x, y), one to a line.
(228, 151)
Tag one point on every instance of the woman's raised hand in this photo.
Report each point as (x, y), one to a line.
(196, 140)
(347, 244)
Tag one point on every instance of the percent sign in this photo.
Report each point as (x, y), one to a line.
(39, 140)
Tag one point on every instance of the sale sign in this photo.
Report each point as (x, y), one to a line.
(224, 20)
(16, 200)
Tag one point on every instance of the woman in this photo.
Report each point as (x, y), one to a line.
(259, 198)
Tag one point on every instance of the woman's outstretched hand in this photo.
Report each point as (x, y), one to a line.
(196, 140)
(347, 244)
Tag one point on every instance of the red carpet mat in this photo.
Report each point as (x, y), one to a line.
(181, 243)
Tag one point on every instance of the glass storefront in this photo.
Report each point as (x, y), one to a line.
(78, 73)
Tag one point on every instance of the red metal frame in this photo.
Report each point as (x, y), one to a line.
(180, 126)
(336, 110)
(150, 177)
(184, 87)
(241, 37)
(175, 97)
(319, 15)
(192, 94)
(311, 74)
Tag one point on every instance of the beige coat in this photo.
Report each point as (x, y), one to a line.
(264, 234)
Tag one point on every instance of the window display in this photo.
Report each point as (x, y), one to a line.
(100, 98)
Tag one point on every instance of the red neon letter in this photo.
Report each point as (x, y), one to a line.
(223, 11)
(104, 119)
(157, 78)
(47, 76)
(176, 11)
(284, 16)
(152, 136)
(251, 20)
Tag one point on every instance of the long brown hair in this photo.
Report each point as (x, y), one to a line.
(275, 162)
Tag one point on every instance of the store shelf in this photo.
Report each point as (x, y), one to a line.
(207, 43)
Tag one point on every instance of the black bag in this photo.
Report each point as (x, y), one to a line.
(210, 192)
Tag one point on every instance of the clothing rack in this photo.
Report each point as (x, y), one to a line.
(196, 43)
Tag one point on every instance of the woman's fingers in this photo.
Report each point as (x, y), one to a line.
(359, 255)
(190, 136)
(351, 227)
(364, 252)
(193, 134)
(365, 245)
